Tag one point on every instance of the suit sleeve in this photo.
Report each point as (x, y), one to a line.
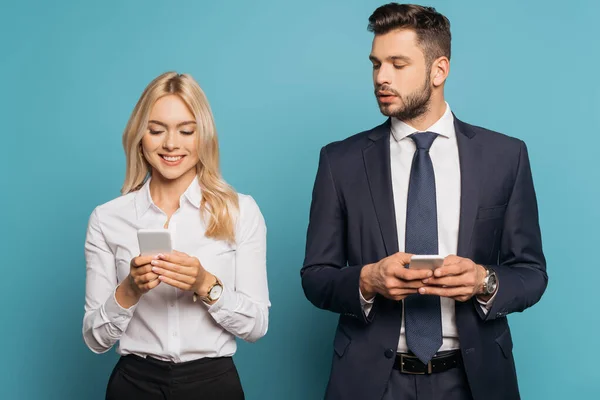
(327, 281)
(521, 271)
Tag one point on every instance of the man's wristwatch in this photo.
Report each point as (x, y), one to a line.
(490, 283)
(214, 292)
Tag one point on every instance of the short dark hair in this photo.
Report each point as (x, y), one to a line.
(431, 27)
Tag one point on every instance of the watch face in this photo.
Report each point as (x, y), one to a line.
(491, 283)
(215, 292)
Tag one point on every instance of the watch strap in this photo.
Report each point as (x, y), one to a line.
(207, 297)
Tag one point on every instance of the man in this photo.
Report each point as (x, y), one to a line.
(423, 182)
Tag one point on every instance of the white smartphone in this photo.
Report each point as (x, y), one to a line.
(154, 241)
(419, 261)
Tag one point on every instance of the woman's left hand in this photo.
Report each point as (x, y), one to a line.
(182, 271)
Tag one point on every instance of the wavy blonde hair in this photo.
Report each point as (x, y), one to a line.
(219, 206)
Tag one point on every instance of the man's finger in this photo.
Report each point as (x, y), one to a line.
(414, 284)
(445, 292)
(451, 269)
(403, 258)
(454, 280)
(408, 274)
(399, 284)
(452, 259)
(401, 293)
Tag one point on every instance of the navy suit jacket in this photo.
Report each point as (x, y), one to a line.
(352, 223)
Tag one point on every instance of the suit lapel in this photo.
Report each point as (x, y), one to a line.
(377, 165)
(469, 152)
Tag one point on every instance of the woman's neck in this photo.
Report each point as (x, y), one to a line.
(166, 193)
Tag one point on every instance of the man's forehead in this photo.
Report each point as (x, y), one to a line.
(399, 43)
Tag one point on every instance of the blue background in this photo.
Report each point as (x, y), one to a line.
(283, 79)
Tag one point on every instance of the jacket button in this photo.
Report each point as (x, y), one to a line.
(389, 353)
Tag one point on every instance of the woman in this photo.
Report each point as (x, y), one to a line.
(175, 315)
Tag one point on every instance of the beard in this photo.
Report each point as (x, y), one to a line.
(413, 105)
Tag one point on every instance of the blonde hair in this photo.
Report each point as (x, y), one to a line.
(219, 206)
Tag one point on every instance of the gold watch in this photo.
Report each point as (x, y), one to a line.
(213, 294)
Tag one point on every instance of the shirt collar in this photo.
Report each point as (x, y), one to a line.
(443, 126)
(194, 193)
(143, 199)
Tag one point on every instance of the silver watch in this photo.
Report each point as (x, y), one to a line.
(490, 283)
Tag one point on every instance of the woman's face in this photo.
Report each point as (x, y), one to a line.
(170, 143)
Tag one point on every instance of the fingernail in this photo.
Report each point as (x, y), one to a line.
(161, 277)
(425, 280)
(437, 272)
(422, 290)
(160, 256)
(154, 262)
(429, 273)
(154, 269)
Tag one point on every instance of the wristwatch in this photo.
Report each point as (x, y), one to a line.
(214, 292)
(490, 283)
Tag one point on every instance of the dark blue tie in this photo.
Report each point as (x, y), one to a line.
(422, 313)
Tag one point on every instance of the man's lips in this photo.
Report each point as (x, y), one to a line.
(385, 97)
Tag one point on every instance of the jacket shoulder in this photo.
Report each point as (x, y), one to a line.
(356, 143)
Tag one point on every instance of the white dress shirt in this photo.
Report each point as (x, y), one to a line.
(166, 323)
(446, 166)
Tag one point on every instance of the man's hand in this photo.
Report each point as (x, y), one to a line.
(390, 278)
(458, 278)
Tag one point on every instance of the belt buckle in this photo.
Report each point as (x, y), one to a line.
(403, 356)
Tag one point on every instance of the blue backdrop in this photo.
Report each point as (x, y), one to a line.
(283, 79)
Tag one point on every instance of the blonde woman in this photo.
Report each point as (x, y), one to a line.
(175, 316)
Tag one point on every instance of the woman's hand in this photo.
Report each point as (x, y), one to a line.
(182, 271)
(141, 280)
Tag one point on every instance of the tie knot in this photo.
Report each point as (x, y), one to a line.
(423, 140)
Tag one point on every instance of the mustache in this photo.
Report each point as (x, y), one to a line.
(385, 89)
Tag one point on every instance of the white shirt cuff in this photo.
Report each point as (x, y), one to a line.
(487, 305)
(366, 304)
(224, 306)
(115, 313)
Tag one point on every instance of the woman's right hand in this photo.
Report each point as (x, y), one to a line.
(140, 280)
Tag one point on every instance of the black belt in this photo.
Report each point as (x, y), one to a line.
(443, 361)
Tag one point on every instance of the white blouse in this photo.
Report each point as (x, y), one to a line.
(166, 323)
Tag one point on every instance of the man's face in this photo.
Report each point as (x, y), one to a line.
(400, 75)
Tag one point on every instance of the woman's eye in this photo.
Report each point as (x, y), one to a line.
(187, 132)
(153, 132)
